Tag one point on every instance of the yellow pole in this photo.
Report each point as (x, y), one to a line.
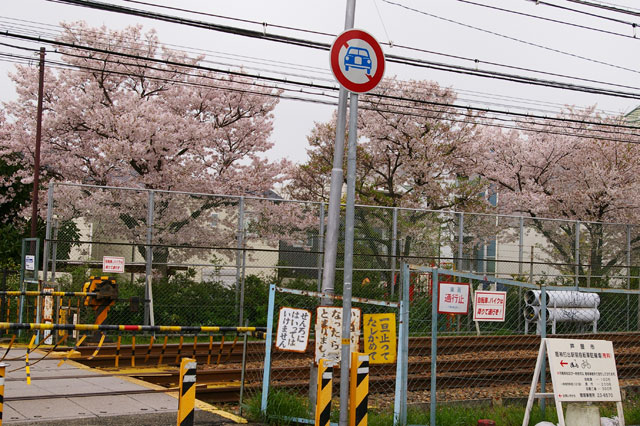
(323, 400)
(359, 389)
(3, 370)
(186, 402)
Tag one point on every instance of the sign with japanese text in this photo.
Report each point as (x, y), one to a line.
(329, 332)
(380, 338)
(112, 264)
(583, 370)
(294, 326)
(489, 305)
(453, 298)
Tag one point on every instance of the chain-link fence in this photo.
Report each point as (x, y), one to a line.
(184, 251)
(493, 361)
(291, 378)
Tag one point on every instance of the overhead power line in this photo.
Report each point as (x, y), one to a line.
(611, 8)
(543, 18)
(529, 43)
(325, 46)
(582, 12)
(521, 116)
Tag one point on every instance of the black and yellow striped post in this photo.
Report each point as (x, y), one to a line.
(3, 371)
(359, 389)
(325, 385)
(187, 399)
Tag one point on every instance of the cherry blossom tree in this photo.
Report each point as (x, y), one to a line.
(112, 117)
(407, 156)
(573, 172)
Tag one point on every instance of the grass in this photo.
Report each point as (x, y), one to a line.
(283, 405)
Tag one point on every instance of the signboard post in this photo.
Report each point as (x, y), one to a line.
(581, 370)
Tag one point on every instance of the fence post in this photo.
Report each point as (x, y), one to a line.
(543, 335)
(267, 350)
(47, 235)
(461, 241)
(394, 250)
(577, 253)
(434, 344)
(240, 246)
(628, 275)
(520, 268)
(148, 291)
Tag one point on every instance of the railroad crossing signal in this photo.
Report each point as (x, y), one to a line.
(357, 61)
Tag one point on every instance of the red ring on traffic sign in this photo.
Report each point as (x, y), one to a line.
(335, 61)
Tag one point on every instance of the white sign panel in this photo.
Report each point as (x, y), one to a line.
(112, 264)
(453, 298)
(489, 305)
(583, 370)
(30, 262)
(329, 332)
(294, 326)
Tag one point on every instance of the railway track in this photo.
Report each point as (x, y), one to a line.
(462, 360)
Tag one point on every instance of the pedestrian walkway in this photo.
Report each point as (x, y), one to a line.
(73, 394)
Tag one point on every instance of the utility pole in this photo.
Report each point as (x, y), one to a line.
(36, 162)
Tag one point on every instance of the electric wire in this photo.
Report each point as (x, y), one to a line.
(280, 80)
(401, 109)
(392, 58)
(543, 18)
(582, 12)
(325, 76)
(529, 43)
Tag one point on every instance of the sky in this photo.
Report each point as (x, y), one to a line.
(488, 35)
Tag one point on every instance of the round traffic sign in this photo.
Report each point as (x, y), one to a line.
(357, 61)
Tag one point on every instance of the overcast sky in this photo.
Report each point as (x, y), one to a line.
(387, 22)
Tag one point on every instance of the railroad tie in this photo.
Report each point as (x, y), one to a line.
(359, 389)
(323, 400)
(186, 402)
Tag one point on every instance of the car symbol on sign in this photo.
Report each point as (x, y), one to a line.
(357, 58)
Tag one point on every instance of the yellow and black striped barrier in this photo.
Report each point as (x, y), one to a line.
(3, 371)
(325, 385)
(186, 402)
(49, 293)
(133, 328)
(359, 389)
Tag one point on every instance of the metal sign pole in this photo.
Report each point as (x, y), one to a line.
(348, 261)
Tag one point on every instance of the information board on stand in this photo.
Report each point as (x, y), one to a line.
(581, 371)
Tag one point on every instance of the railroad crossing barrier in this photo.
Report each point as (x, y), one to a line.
(189, 329)
(186, 401)
(325, 385)
(3, 371)
(359, 389)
